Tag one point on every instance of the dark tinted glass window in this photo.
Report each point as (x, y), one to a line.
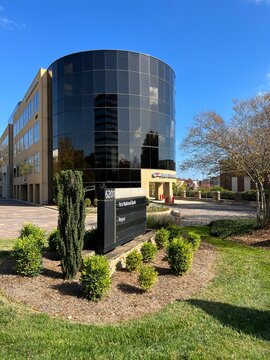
(154, 121)
(134, 120)
(144, 64)
(88, 120)
(110, 60)
(73, 64)
(87, 61)
(100, 138)
(161, 71)
(111, 119)
(123, 137)
(161, 90)
(122, 82)
(123, 119)
(111, 100)
(134, 83)
(135, 156)
(87, 82)
(112, 175)
(112, 137)
(144, 103)
(123, 101)
(145, 121)
(134, 101)
(153, 66)
(89, 138)
(122, 60)
(146, 157)
(88, 101)
(100, 119)
(99, 60)
(144, 85)
(135, 175)
(99, 82)
(112, 156)
(133, 61)
(154, 157)
(100, 156)
(135, 138)
(124, 175)
(123, 156)
(167, 72)
(111, 81)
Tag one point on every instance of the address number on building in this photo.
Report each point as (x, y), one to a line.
(109, 194)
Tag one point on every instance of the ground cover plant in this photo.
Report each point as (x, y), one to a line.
(229, 227)
(225, 320)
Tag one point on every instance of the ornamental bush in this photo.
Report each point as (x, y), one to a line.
(70, 195)
(148, 251)
(87, 202)
(133, 260)
(38, 233)
(95, 202)
(95, 277)
(53, 240)
(174, 230)
(27, 255)
(194, 239)
(179, 256)
(162, 238)
(147, 277)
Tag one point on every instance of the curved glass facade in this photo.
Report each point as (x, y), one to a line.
(112, 113)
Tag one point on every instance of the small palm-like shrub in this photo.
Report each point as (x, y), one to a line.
(147, 277)
(133, 260)
(90, 239)
(194, 239)
(175, 231)
(95, 277)
(148, 251)
(27, 255)
(180, 256)
(162, 238)
(53, 240)
(87, 202)
(38, 233)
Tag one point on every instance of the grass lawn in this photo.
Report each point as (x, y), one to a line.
(230, 319)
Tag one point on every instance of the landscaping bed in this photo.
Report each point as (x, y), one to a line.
(49, 293)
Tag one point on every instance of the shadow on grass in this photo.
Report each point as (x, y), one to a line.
(7, 264)
(263, 244)
(250, 321)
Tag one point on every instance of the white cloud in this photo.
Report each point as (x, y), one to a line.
(8, 23)
(258, 2)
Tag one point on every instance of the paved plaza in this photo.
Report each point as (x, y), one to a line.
(14, 214)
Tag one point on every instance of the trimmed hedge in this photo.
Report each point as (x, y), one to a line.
(38, 233)
(180, 256)
(148, 251)
(133, 260)
(147, 277)
(27, 255)
(229, 227)
(162, 238)
(95, 277)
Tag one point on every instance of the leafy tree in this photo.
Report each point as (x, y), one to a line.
(241, 146)
(71, 220)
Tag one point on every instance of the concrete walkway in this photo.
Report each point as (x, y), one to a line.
(14, 214)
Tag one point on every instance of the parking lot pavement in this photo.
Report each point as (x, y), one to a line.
(202, 213)
(14, 214)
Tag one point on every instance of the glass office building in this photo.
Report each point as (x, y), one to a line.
(111, 114)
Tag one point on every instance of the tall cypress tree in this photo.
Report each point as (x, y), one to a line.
(71, 221)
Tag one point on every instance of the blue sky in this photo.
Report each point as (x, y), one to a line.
(219, 49)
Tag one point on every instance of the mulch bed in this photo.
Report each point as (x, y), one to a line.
(49, 293)
(258, 238)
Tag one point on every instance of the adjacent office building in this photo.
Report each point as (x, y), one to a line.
(108, 113)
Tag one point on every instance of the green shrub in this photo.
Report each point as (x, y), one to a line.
(27, 255)
(175, 231)
(147, 201)
(157, 222)
(157, 208)
(133, 260)
(249, 195)
(95, 202)
(226, 194)
(148, 251)
(147, 277)
(162, 238)
(53, 240)
(70, 195)
(194, 239)
(229, 227)
(95, 277)
(87, 202)
(179, 256)
(90, 239)
(38, 233)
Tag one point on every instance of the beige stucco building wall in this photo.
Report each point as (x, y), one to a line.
(32, 185)
(163, 183)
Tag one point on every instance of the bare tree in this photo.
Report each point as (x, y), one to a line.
(241, 146)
